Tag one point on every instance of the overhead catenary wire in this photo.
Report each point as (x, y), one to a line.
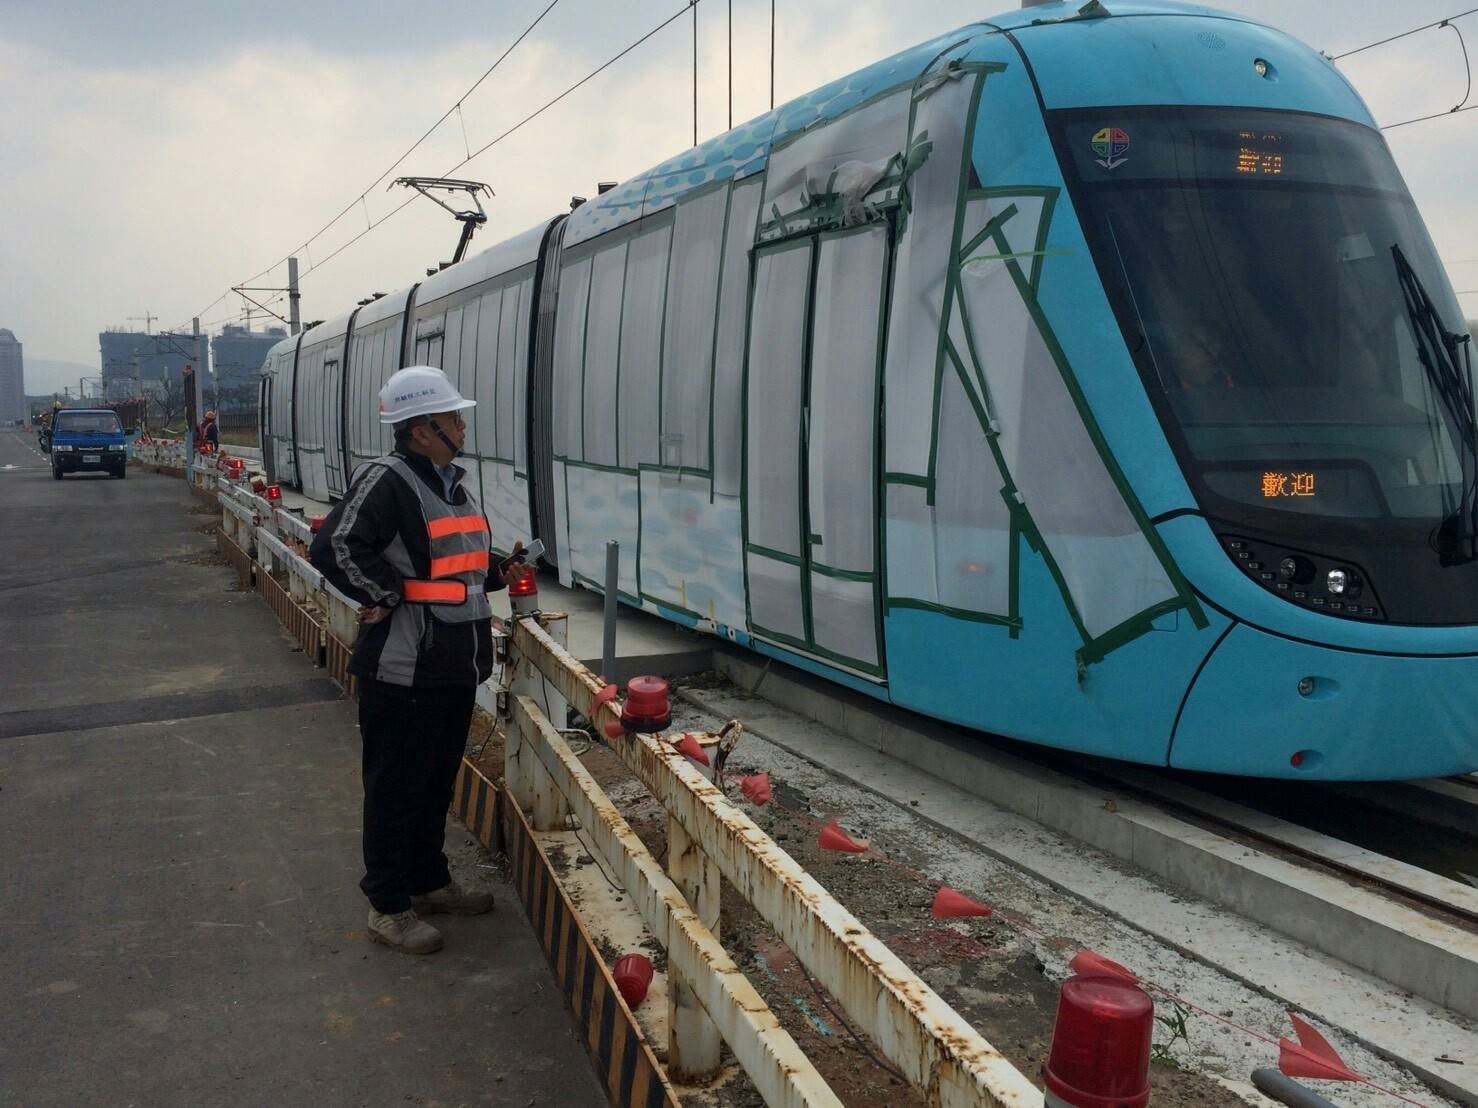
(314, 265)
(424, 136)
(1403, 34)
(1450, 21)
(1434, 115)
(391, 168)
(489, 145)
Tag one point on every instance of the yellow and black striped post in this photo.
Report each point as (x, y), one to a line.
(623, 1058)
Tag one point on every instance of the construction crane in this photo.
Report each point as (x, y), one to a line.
(148, 318)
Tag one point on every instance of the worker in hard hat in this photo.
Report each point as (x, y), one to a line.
(411, 544)
(208, 434)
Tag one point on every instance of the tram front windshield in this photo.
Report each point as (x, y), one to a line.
(1253, 258)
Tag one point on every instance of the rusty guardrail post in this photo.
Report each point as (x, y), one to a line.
(523, 773)
(693, 1040)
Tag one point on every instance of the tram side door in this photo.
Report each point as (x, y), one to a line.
(811, 557)
(333, 427)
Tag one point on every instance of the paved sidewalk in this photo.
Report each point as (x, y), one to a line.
(179, 814)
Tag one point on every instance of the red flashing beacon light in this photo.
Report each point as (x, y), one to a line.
(523, 589)
(1100, 1056)
(272, 492)
(315, 522)
(646, 710)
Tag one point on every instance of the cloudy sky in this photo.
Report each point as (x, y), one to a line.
(153, 154)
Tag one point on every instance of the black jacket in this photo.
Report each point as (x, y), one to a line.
(348, 550)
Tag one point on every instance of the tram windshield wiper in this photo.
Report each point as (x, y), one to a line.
(1447, 359)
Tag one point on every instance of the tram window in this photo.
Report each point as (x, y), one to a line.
(451, 349)
(508, 369)
(1267, 308)
(569, 356)
(733, 309)
(521, 375)
(602, 351)
(641, 346)
(687, 349)
(483, 416)
(471, 380)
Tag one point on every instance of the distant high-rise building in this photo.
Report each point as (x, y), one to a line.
(236, 356)
(12, 379)
(135, 362)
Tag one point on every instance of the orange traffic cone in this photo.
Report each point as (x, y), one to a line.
(756, 789)
(1312, 1056)
(690, 746)
(1090, 963)
(949, 904)
(832, 837)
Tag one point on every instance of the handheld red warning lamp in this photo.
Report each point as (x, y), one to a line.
(646, 710)
(315, 522)
(1100, 1056)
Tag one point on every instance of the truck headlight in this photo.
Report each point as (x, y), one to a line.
(62, 447)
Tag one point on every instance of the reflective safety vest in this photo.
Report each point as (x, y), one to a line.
(458, 534)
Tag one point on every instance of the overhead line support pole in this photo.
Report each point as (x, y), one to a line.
(294, 320)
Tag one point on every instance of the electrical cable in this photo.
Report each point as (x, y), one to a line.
(1424, 118)
(1403, 34)
(593, 73)
(475, 154)
(1467, 92)
(595, 857)
(1467, 64)
(861, 1044)
(411, 149)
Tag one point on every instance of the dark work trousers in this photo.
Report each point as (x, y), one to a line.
(413, 743)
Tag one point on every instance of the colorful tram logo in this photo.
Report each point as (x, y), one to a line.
(1111, 144)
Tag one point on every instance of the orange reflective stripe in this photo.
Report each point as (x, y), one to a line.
(455, 525)
(435, 592)
(458, 563)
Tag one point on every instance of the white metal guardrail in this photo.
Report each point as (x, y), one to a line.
(931, 1044)
(710, 999)
(278, 541)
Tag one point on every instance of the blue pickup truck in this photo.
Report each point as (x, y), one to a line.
(88, 439)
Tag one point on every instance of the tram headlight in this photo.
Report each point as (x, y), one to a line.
(1342, 582)
(1297, 569)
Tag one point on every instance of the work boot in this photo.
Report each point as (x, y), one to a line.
(404, 931)
(451, 899)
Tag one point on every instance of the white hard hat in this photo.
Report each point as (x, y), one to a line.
(419, 390)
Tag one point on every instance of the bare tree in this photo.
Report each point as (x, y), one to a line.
(168, 395)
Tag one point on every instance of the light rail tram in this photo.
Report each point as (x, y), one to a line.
(1085, 375)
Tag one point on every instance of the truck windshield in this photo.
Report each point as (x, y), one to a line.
(89, 423)
(1252, 257)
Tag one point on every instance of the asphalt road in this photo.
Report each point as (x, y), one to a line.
(179, 847)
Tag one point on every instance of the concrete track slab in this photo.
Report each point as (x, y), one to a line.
(180, 814)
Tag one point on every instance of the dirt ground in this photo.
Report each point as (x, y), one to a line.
(986, 969)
